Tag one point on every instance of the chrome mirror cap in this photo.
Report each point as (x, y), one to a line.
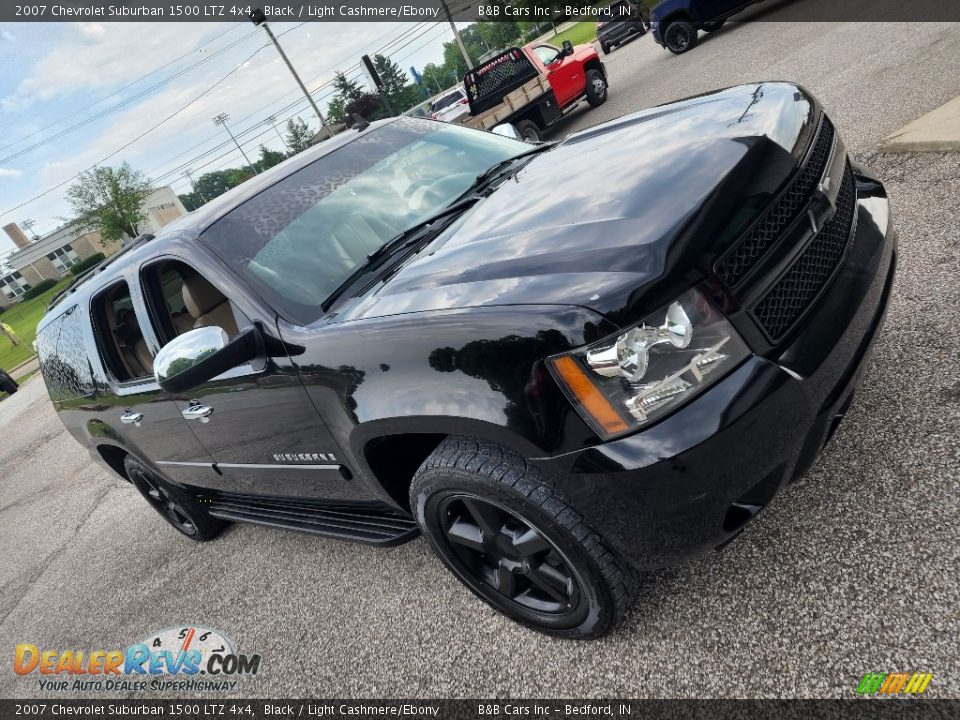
(185, 351)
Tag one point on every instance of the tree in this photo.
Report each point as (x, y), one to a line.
(110, 200)
(298, 136)
(336, 111)
(367, 106)
(268, 158)
(401, 94)
(212, 184)
(346, 89)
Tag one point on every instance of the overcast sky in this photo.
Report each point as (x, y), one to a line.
(60, 75)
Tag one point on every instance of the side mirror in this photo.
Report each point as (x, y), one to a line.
(200, 355)
(507, 130)
(567, 48)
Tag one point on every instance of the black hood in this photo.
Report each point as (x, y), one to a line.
(649, 199)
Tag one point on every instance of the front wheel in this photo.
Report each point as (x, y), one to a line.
(174, 505)
(605, 48)
(596, 88)
(680, 36)
(529, 131)
(508, 535)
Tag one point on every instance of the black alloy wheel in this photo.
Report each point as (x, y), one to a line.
(507, 555)
(511, 536)
(680, 36)
(185, 515)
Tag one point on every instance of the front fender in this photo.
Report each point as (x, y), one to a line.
(477, 371)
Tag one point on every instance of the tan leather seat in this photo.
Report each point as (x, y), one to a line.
(143, 357)
(207, 305)
(182, 322)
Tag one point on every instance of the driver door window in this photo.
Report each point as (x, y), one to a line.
(546, 53)
(181, 299)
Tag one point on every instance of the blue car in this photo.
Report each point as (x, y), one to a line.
(675, 23)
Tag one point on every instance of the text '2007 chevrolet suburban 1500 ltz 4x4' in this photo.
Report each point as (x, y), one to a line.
(561, 363)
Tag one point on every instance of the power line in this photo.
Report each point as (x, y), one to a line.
(121, 89)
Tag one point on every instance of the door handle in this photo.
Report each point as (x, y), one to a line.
(196, 411)
(130, 417)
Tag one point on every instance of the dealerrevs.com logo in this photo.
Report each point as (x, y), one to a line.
(181, 659)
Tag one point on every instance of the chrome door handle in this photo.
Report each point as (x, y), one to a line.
(198, 412)
(130, 417)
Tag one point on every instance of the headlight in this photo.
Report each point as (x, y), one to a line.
(625, 382)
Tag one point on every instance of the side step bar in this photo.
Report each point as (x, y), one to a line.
(372, 523)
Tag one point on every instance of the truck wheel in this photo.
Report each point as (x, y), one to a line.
(529, 131)
(680, 36)
(605, 48)
(183, 513)
(711, 26)
(508, 535)
(596, 88)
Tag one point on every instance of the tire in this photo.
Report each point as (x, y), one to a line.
(529, 131)
(711, 26)
(596, 88)
(474, 500)
(605, 48)
(173, 504)
(7, 384)
(680, 36)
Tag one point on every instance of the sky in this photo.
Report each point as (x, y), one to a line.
(73, 95)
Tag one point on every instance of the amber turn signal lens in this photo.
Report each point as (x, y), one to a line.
(588, 396)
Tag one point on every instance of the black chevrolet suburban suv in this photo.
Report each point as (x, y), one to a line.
(562, 363)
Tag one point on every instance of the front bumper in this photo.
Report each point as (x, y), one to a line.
(690, 482)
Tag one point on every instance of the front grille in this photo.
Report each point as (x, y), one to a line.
(744, 256)
(797, 289)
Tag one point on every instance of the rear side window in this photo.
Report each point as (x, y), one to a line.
(119, 337)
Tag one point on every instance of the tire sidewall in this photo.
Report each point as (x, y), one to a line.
(592, 97)
(207, 527)
(434, 484)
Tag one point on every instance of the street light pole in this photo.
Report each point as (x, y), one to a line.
(221, 120)
(272, 120)
(259, 18)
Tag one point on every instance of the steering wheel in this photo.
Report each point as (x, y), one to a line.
(440, 191)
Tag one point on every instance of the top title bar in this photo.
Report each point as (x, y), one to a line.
(460, 10)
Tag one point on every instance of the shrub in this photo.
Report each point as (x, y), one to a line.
(39, 289)
(84, 265)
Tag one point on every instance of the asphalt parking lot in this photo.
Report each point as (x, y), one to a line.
(851, 570)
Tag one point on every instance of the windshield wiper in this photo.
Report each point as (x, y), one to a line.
(497, 168)
(412, 235)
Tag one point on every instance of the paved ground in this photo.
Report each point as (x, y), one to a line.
(854, 569)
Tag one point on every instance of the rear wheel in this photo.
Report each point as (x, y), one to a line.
(605, 48)
(680, 36)
(173, 504)
(596, 88)
(529, 131)
(508, 535)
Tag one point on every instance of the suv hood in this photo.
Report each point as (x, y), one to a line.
(616, 218)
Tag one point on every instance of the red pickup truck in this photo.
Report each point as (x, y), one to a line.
(534, 86)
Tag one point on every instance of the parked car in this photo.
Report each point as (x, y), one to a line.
(534, 86)
(626, 23)
(7, 383)
(451, 106)
(675, 22)
(558, 371)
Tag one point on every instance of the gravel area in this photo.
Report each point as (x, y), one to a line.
(851, 570)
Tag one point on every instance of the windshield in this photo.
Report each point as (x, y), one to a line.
(300, 239)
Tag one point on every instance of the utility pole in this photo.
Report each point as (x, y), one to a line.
(259, 18)
(221, 120)
(272, 121)
(193, 184)
(456, 34)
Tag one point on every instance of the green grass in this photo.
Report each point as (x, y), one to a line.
(24, 318)
(580, 33)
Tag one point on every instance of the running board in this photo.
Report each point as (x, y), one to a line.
(373, 523)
